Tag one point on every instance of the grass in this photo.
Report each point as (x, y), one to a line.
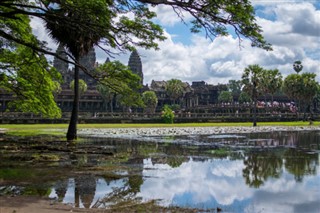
(60, 129)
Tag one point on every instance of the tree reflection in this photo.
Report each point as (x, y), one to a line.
(85, 189)
(261, 166)
(61, 187)
(299, 163)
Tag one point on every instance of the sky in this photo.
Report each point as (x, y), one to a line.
(291, 26)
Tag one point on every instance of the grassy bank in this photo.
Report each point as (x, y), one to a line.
(149, 125)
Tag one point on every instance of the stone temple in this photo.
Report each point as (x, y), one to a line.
(199, 93)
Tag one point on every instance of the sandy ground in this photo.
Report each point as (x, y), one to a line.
(29, 204)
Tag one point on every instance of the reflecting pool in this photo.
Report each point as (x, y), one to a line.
(260, 172)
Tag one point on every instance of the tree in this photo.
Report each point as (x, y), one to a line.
(302, 87)
(150, 101)
(107, 95)
(234, 86)
(225, 96)
(271, 82)
(174, 89)
(244, 98)
(80, 25)
(251, 80)
(120, 80)
(82, 86)
(167, 115)
(26, 73)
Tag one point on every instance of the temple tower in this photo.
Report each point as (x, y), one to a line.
(59, 64)
(63, 66)
(136, 65)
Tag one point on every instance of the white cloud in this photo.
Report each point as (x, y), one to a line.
(168, 17)
(206, 181)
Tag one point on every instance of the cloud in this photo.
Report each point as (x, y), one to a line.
(206, 183)
(167, 17)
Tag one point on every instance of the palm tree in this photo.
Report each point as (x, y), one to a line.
(271, 82)
(64, 25)
(251, 79)
(107, 94)
(175, 89)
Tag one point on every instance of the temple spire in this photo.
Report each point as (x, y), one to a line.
(136, 65)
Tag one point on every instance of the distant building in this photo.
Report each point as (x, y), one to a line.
(136, 65)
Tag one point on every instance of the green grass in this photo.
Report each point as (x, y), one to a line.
(60, 129)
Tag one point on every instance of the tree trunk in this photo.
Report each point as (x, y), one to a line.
(254, 95)
(72, 129)
(255, 113)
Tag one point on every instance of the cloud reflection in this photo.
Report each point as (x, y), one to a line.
(219, 183)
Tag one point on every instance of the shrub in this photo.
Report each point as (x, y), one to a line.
(167, 115)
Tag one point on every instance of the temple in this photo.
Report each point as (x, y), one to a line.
(198, 93)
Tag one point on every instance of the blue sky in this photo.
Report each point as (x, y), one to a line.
(291, 26)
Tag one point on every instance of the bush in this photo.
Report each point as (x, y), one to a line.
(167, 115)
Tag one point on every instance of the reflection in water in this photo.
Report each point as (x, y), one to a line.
(277, 179)
(260, 166)
(211, 183)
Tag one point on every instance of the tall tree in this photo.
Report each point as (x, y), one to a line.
(251, 80)
(174, 89)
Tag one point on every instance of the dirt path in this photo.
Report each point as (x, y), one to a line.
(29, 204)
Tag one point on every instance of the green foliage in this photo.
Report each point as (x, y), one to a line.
(225, 96)
(82, 86)
(107, 94)
(120, 80)
(25, 73)
(175, 107)
(234, 86)
(167, 115)
(150, 100)
(244, 98)
(271, 81)
(251, 79)
(174, 89)
(303, 87)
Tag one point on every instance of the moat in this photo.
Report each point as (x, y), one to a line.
(257, 172)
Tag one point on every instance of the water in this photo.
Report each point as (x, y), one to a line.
(260, 172)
